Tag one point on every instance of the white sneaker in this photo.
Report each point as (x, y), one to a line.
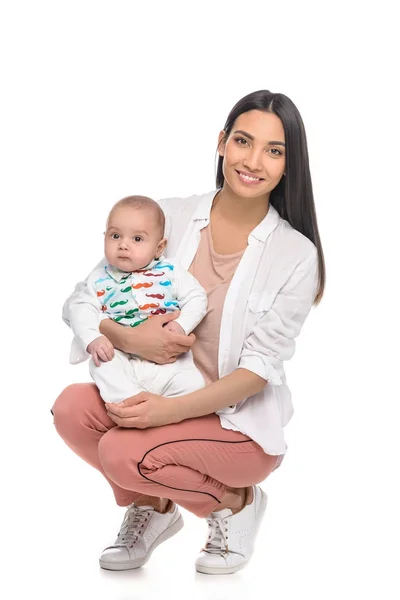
(142, 530)
(230, 541)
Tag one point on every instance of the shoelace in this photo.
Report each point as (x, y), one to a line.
(132, 526)
(217, 541)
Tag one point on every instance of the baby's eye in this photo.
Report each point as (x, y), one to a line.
(115, 236)
(137, 238)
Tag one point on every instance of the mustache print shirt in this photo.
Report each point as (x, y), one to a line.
(132, 298)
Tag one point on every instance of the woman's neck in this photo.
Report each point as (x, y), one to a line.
(238, 210)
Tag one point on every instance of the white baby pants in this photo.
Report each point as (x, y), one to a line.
(126, 375)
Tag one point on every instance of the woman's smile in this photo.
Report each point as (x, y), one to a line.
(249, 179)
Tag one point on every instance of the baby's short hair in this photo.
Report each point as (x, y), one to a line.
(139, 202)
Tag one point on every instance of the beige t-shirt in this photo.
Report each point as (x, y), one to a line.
(214, 272)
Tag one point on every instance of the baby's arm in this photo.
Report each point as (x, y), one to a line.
(192, 299)
(78, 288)
(85, 316)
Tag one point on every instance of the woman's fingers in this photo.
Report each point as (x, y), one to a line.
(181, 343)
(172, 359)
(131, 421)
(122, 410)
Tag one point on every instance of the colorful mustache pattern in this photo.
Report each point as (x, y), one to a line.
(141, 285)
(120, 303)
(117, 296)
(109, 297)
(130, 314)
(146, 306)
(159, 311)
(138, 322)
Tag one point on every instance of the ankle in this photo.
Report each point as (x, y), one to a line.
(249, 495)
(160, 505)
(234, 499)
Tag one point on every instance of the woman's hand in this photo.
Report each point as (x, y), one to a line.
(143, 410)
(150, 340)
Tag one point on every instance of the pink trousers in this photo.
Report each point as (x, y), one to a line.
(191, 463)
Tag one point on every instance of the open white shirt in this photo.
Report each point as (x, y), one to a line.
(267, 302)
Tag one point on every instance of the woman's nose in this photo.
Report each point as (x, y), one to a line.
(253, 160)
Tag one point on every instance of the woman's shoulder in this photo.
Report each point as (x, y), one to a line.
(185, 204)
(294, 241)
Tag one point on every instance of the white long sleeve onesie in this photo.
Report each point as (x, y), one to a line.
(129, 299)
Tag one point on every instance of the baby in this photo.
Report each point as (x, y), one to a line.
(136, 283)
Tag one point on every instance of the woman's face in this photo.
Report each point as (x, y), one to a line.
(254, 154)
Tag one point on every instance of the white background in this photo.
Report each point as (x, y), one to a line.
(104, 99)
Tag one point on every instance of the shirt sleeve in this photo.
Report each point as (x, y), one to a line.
(192, 299)
(85, 312)
(273, 339)
(66, 310)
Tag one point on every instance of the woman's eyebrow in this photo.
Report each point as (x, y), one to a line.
(251, 137)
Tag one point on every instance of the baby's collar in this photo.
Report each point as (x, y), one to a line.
(119, 275)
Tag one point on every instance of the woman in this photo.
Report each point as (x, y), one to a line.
(253, 244)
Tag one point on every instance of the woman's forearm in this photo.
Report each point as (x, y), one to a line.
(227, 391)
(117, 334)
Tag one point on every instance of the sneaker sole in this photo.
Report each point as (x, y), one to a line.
(139, 562)
(229, 570)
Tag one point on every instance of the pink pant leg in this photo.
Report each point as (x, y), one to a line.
(81, 420)
(191, 462)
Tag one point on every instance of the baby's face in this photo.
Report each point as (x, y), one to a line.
(132, 238)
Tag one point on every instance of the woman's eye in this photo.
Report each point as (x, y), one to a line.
(276, 152)
(241, 141)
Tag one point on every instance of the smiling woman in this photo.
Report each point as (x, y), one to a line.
(253, 161)
(253, 245)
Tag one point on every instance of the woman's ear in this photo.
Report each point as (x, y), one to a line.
(221, 143)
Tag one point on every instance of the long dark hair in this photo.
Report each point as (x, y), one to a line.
(293, 196)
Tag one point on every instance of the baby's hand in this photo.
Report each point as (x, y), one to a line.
(175, 327)
(101, 349)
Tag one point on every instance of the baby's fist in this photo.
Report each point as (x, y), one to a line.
(101, 349)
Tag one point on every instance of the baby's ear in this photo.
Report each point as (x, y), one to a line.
(161, 246)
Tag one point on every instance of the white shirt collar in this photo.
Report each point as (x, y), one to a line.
(261, 232)
(118, 275)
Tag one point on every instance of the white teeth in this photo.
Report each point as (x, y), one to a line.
(249, 178)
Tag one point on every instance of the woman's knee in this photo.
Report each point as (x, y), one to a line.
(72, 404)
(119, 451)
